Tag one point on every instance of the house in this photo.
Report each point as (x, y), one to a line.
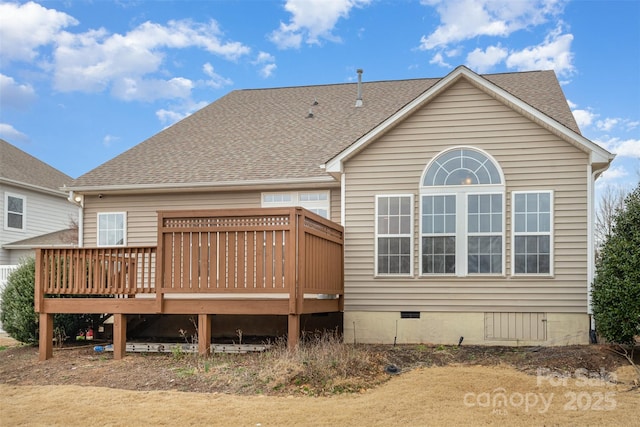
(35, 211)
(465, 203)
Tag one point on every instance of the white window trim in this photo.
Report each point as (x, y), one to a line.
(422, 234)
(502, 234)
(410, 235)
(6, 212)
(462, 233)
(295, 200)
(124, 231)
(550, 233)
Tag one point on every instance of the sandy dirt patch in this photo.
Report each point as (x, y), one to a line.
(453, 395)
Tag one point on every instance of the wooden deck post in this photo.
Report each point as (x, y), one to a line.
(204, 334)
(119, 335)
(45, 344)
(293, 334)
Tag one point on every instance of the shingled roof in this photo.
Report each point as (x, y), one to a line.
(285, 134)
(20, 168)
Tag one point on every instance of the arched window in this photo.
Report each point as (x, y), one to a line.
(461, 166)
(462, 214)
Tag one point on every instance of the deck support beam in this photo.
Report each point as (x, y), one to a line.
(204, 334)
(119, 335)
(293, 334)
(45, 344)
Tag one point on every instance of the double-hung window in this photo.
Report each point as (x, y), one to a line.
(462, 215)
(484, 233)
(532, 230)
(112, 229)
(439, 234)
(15, 207)
(394, 232)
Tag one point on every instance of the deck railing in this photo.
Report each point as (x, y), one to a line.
(96, 271)
(246, 251)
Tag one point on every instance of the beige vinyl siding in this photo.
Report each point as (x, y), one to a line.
(141, 210)
(531, 158)
(335, 205)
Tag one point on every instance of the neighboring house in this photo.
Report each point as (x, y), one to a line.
(35, 210)
(467, 201)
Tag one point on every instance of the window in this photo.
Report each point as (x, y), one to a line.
(112, 229)
(462, 215)
(532, 227)
(439, 234)
(15, 212)
(484, 230)
(393, 234)
(315, 201)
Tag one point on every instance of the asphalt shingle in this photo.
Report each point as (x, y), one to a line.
(265, 134)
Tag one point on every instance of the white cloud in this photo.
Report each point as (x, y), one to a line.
(26, 27)
(311, 21)
(266, 61)
(95, 60)
(148, 90)
(439, 60)
(267, 70)
(215, 81)
(483, 60)
(178, 112)
(552, 54)
(571, 104)
(467, 19)
(584, 118)
(607, 124)
(108, 139)
(10, 133)
(612, 174)
(14, 94)
(622, 147)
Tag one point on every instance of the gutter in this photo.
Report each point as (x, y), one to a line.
(51, 191)
(312, 182)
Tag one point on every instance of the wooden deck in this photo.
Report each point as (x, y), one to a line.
(282, 261)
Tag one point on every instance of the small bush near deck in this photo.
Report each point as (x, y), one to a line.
(18, 318)
(17, 313)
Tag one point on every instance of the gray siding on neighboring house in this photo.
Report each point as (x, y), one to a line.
(531, 158)
(141, 210)
(44, 213)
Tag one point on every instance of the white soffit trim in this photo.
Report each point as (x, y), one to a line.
(597, 153)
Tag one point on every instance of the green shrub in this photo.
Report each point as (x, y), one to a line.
(17, 313)
(616, 288)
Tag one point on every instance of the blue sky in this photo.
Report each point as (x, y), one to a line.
(82, 81)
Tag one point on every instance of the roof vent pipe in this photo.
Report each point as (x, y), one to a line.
(359, 99)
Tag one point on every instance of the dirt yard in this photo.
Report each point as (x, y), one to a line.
(585, 385)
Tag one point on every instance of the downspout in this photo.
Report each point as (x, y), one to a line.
(591, 179)
(78, 199)
(343, 198)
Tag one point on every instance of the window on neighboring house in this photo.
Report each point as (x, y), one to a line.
(112, 229)
(315, 201)
(462, 215)
(394, 219)
(532, 231)
(15, 212)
